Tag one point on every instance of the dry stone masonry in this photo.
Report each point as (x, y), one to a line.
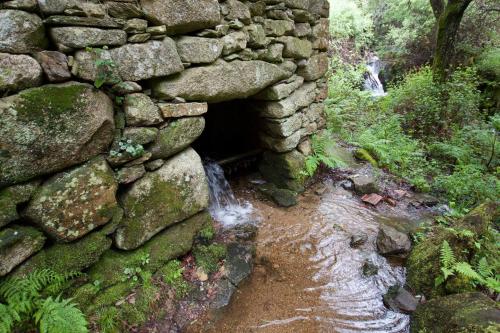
(100, 102)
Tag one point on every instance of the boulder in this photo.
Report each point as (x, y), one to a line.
(64, 258)
(123, 10)
(239, 262)
(319, 7)
(256, 36)
(54, 65)
(281, 89)
(282, 197)
(127, 175)
(18, 72)
(424, 263)
(180, 182)
(364, 184)
(467, 312)
(27, 5)
(284, 127)
(300, 98)
(400, 300)
(18, 243)
(21, 32)
(393, 242)
(176, 110)
(46, 129)
(182, 16)
(284, 170)
(11, 197)
(302, 30)
(78, 21)
(358, 240)
(314, 68)
(169, 244)
(177, 136)
(199, 50)
(276, 28)
(273, 53)
(280, 145)
(82, 37)
(295, 47)
(140, 135)
(234, 42)
(237, 10)
(156, 59)
(71, 204)
(51, 7)
(141, 111)
(220, 82)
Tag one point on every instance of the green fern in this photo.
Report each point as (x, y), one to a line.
(483, 274)
(60, 316)
(23, 300)
(8, 318)
(320, 155)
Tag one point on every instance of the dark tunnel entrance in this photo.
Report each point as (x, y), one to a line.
(231, 136)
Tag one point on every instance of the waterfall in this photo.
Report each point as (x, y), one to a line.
(372, 81)
(224, 207)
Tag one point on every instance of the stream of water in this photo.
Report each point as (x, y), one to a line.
(308, 278)
(372, 81)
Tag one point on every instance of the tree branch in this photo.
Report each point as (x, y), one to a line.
(437, 8)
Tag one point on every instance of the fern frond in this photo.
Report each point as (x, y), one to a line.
(60, 316)
(447, 256)
(8, 317)
(484, 269)
(465, 269)
(492, 284)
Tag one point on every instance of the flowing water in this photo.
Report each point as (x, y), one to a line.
(224, 207)
(308, 278)
(372, 81)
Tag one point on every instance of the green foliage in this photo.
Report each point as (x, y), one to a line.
(129, 148)
(107, 320)
(24, 301)
(350, 20)
(59, 316)
(320, 155)
(207, 233)
(135, 273)
(209, 256)
(172, 275)
(105, 68)
(483, 274)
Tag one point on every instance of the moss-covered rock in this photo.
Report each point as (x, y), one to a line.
(284, 170)
(460, 313)
(282, 197)
(18, 243)
(71, 204)
(49, 128)
(169, 244)
(177, 136)
(12, 196)
(174, 192)
(424, 265)
(364, 155)
(70, 257)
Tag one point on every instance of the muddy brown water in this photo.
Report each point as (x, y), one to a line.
(307, 277)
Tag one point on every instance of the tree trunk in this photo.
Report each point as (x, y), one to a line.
(448, 24)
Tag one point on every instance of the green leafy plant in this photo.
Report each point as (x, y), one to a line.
(105, 67)
(128, 147)
(320, 155)
(209, 256)
(173, 276)
(484, 275)
(24, 302)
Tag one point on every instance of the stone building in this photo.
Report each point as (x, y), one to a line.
(101, 104)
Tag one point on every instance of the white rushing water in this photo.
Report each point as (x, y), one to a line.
(372, 81)
(224, 207)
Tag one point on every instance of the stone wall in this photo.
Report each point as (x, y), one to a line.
(101, 101)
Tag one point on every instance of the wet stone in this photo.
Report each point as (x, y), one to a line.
(364, 184)
(239, 262)
(369, 269)
(400, 300)
(282, 197)
(393, 242)
(358, 240)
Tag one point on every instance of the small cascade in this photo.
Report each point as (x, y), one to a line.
(224, 207)
(372, 81)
